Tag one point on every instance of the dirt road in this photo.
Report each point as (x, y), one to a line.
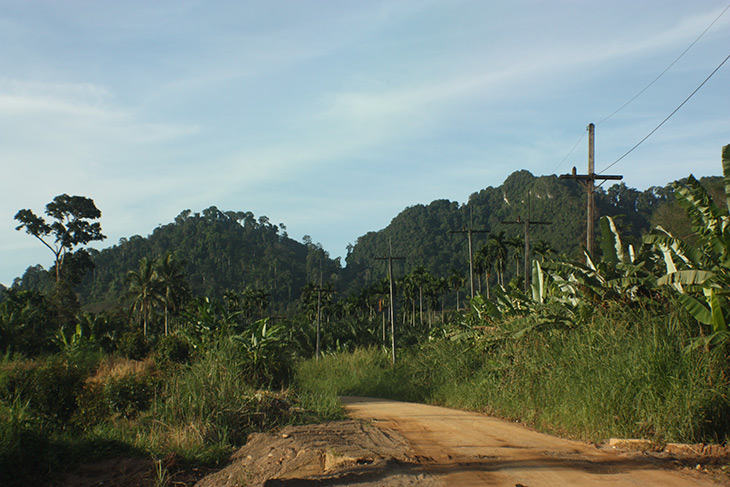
(465, 449)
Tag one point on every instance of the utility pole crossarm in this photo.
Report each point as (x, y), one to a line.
(589, 181)
(527, 224)
(591, 177)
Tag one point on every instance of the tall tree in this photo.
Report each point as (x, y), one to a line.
(484, 261)
(543, 249)
(144, 287)
(518, 246)
(72, 225)
(173, 283)
(498, 242)
(456, 282)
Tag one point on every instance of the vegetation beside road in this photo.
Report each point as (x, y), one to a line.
(632, 341)
(625, 373)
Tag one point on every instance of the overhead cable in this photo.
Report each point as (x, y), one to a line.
(569, 153)
(668, 67)
(668, 116)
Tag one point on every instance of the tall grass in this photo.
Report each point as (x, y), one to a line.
(55, 413)
(213, 396)
(625, 374)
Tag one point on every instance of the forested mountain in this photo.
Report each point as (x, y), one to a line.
(220, 251)
(232, 250)
(424, 233)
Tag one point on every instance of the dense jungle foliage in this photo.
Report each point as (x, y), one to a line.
(242, 251)
(174, 343)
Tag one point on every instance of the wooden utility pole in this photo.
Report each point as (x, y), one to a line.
(589, 181)
(390, 260)
(469, 232)
(527, 224)
(320, 290)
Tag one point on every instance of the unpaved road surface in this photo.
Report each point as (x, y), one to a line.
(396, 444)
(464, 449)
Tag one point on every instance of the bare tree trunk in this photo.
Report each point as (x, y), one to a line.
(420, 305)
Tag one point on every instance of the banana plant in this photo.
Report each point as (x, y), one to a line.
(266, 350)
(701, 274)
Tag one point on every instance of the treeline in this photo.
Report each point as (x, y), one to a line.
(233, 250)
(216, 306)
(219, 252)
(424, 233)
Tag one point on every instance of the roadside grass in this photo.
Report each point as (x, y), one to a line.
(626, 373)
(364, 372)
(55, 414)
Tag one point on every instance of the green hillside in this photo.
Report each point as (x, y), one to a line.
(233, 250)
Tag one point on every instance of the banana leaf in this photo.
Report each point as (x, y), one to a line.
(613, 252)
(697, 309)
(691, 277)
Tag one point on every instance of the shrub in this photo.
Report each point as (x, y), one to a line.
(130, 394)
(50, 387)
(214, 396)
(23, 443)
(172, 350)
(92, 406)
(133, 345)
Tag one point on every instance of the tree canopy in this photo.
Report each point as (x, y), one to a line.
(72, 226)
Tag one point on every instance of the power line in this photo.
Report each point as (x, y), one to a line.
(569, 153)
(644, 89)
(668, 116)
(668, 67)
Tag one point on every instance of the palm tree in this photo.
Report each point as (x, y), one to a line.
(171, 279)
(420, 278)
(498, 242)
(518, 245)
(484, 260)
(409, 286)
(434, 291)
(145, 290)
(543, 249)
(254, 299)
(456, 282)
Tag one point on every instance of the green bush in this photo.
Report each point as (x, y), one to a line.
(92, 407)
(365, 372)
(172, 350)
(24, 443)
(130, 394)
(50, 387)
(133, 345)
(214, 395)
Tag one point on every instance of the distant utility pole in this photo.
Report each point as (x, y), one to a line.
(527, 224)
(320, 290)
(390, 260)
(469, 231)
(589, 181)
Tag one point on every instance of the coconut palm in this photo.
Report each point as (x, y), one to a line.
(518, 246)
(144, 287)
(172, 281)
(456, 282)
(542, 249)
(484, 261)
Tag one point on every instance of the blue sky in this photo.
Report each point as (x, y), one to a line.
(331, 116)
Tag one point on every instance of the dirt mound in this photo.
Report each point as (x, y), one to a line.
(332, 454)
